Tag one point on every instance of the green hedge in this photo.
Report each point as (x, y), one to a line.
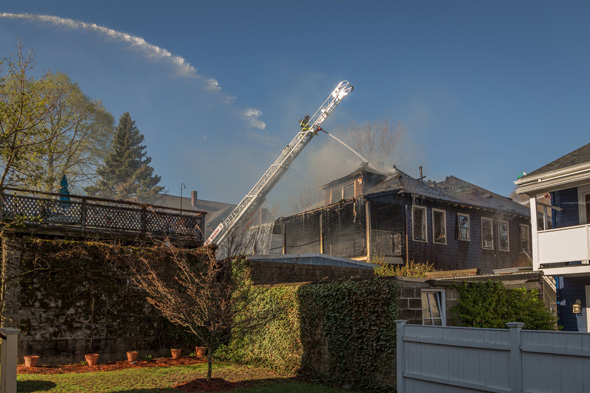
(491, 305)
(341, 333)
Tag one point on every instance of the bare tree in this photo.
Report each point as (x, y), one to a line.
(379, 142)
(205, 296)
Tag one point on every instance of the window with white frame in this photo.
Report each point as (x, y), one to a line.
(503, 236)
(463, 226)
(419, 224)
(487, 234)
(439, 226)
(525, 240)
(433, 307)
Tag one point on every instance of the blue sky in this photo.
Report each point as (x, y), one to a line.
(486, 90)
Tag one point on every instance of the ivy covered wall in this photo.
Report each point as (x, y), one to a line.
(73, 297)
(341, 332)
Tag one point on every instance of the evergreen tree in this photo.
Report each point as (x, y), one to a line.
(126, 173)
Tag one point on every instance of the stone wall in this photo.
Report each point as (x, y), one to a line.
(65, 308)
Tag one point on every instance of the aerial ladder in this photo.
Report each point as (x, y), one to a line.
(256, 197)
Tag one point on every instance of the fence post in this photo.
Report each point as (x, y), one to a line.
(400, 352)
(83, 214)
(515, 356)
(9, 354)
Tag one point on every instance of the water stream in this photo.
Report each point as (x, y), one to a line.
(354, 151)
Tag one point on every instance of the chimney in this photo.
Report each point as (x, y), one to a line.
(194, 199)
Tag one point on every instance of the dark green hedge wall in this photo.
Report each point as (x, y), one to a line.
(341, 333)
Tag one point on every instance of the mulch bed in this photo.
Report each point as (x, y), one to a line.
(110, 366)
(197, 385)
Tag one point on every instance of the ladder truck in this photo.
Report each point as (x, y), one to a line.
(257, 195)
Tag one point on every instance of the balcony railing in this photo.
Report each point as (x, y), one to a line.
(89, 213)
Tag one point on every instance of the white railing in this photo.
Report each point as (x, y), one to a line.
(567, 244)
(9, 357)
(453, 359)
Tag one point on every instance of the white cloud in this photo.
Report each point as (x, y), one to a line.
(252, 116)
(182, 67)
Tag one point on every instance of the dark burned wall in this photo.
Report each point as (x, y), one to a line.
(338, 230)
(66, 308)
(387, 229)
(302, 233)
(345, 233)
(462, 254)
(342, 229)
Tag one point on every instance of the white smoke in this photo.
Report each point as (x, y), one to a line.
(183, 68)
(252, 116)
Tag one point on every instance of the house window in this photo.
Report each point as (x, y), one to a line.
(439, 226)
(348, 191)
(487, 234)
(336, 195)
(525, 238)
(433, 308)
(342, 192)
(419, 223)
(463, 225)
(503, 243)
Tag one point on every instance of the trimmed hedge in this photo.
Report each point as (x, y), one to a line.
(491, 305)
(340, 333)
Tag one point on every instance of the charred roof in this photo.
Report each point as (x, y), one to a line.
(451, 190)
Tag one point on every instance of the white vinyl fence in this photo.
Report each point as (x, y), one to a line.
(8, 366)
(464, 360)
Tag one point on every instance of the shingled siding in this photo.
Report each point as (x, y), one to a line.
(462, 254)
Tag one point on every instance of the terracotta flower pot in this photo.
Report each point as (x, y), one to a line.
(131, 356)
(91, 358)
(31, 361)
(175, 353)
(201, 351)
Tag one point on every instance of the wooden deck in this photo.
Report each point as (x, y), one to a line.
(31, 208)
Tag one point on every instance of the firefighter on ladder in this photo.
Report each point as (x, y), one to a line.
(304, 125)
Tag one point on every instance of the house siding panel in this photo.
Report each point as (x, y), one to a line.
(571, 289)
(459, 254)
(568, 201)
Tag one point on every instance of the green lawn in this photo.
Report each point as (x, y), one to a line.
(163, 380)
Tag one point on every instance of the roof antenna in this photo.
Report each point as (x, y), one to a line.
(421, 175)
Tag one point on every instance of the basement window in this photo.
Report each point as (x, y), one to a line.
(487, 234)
(525, 242)
(419, 224)
(439, 226)
(463, 225)
(503, 243)
(433, 308)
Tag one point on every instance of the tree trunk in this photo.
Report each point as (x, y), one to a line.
(209, 363)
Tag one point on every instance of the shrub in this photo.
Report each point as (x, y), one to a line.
(412, 269)
(491, 305)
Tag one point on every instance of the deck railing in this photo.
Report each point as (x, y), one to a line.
(90, 213)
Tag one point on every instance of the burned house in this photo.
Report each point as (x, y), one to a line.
(394, 218)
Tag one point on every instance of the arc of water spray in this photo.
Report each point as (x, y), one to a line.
(183, 68)
(352, 150)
